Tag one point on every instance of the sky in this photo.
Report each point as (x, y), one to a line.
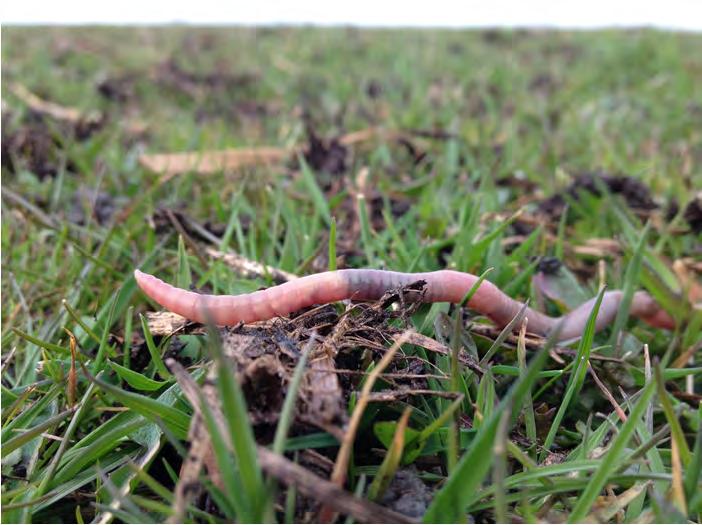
(668, 14)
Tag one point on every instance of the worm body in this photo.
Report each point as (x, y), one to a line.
(363, 285)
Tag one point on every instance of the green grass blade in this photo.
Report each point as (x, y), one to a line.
(675, 428)
(26, 436)
(156, 358)
(693, 474)
(577, 377)
(240, 431)
(611, 460)
(183, 273)
(332, 245)
(287, 412)
(451, 500)
(176, 420)
(135, 379)
(318, 198)
(631, 281)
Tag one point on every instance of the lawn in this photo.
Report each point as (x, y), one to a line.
(553, 164)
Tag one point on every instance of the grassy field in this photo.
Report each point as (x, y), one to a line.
(575, 157)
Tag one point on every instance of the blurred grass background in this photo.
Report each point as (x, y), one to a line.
(512, 105)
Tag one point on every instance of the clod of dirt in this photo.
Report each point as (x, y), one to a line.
(172, 75)
(328, 156)
(99, 205)
(33, 148)
(636, 194)
(251, 109)
(175, 351)
(519, 182)
(263, 383)
(117, 89)
(399, 205)
(407, 494)
(672, 209)
(374, 89)
(549, 265)
(85, 128)
(544, 83)
(693, 214)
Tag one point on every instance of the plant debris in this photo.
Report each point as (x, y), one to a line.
(83, 125)
(209, 162)
(636, 194)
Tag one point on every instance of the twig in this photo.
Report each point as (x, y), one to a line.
(188, 240)
(325, 491)
(394, 395)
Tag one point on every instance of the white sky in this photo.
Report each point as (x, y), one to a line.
(669, 14)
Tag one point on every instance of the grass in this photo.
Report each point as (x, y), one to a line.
(500, 119)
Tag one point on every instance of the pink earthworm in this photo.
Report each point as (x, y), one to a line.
(365, 285)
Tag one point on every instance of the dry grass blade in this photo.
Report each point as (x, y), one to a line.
(606, 511)
(677, 488)
(51, 109)
(342, 458)
(8, 360)
(186, 487)
(607, 394)
(388, 468)
(684, 358)
(344, 454)
(390, 396)
(417, 339)
(32, 209)
(72, 384)
(186, 237)
(364, 135)
(213, 161)
(599, 248)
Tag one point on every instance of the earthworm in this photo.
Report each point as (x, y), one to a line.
(365, 285)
